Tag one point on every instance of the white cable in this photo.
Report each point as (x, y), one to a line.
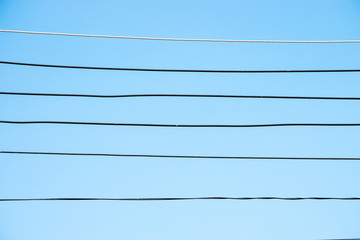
(178, 39)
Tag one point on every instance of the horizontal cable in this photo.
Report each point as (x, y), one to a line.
(178, 39)
(188, 125)
(180, 156)
(180, 199)
(180, 70)
(176, 95)
(342, 239)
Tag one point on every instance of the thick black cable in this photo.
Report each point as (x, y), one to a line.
(176, 95)
(180, 70)
(188, 125)
(179, 199)
(180, 156)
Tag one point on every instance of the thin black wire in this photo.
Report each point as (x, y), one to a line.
(179, 156)
(180, 199)
(187, 125)
(175, 95)
(180, 70)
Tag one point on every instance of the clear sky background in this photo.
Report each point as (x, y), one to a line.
(56, 176)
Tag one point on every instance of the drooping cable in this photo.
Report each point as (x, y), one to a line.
(178, 39)
(188, 125)
(180, 70)
(176, 95)
(182, 156)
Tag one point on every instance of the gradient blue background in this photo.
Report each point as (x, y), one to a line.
(55, 176)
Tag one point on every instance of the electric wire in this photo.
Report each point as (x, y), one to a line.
(182, 156)
(180, 199)
(175, 125)
(188, 125)
(180, 70)
(178, 39)
(176, 95)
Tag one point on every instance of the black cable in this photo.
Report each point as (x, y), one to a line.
(180, 156)
(180, 70)
(187, 125)
(175, 95)
(179, 199)
(342, 239)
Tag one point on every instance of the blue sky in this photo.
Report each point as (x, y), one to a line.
(56, 176)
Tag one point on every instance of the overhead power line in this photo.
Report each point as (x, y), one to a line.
(180, 199)
(188, 125)
(180, 70)
(178, 39)
(183, 156)
(342, 239)
(176, 95)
